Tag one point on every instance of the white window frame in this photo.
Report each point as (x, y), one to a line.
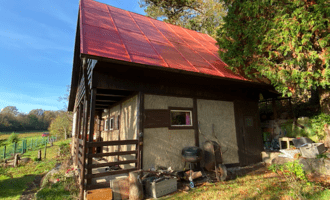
(191, 121)
(106, 125)
(112, 125)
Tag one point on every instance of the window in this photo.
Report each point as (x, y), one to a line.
(106, 124)
(181, 118)
(112, 123)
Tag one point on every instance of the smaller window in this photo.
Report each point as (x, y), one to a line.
(106, 124)
(181, 118)
(112, 123)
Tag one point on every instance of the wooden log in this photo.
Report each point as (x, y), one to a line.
(135, 186)
(194, 175)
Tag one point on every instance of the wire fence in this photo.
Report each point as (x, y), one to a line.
(25, 145)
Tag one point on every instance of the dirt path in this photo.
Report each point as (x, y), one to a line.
(33, 187)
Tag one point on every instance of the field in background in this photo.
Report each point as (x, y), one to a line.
(33, 140)
(25, 134)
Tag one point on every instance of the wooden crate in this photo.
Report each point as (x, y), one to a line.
(100, 194)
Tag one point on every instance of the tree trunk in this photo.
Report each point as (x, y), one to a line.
(65, 135)
(324, 100)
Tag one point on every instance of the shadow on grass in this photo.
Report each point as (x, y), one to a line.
(12, 188)
(54, 192)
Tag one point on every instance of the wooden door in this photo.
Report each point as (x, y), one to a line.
(248, 130)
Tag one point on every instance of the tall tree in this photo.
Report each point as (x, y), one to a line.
(285, 42)
(62, 125)
(12, 110)
(200, 15)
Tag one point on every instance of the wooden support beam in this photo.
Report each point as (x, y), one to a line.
(112, 154)
(111, 143)
(91, 166)
(274, 109)
(195, 122)
(78, 129)
(123, 171)
(112, 95)
(91, 130)
(140, 129)
(86, 109)
(102, 105)
(98, 186)
(108, 101)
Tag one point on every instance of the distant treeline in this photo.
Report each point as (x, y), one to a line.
(37, 119)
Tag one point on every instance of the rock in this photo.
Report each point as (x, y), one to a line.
(282, 160)
(25, 160)
(135, 186)
(327, 138)
(46, 178)
(321, 165)
(267, 157)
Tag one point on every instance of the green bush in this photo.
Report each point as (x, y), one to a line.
(317, 124)
(64, 148)
(295, 176)
(13, 138)
(313, 127)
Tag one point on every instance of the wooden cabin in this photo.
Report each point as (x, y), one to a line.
(143, 89)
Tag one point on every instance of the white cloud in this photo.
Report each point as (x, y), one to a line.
(11, 38)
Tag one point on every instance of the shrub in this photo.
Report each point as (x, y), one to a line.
(317, 124)
(64, 149)
(13, 138)
(294, 175)
(314, 127)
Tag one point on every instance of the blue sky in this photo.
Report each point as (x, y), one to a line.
(36, 49)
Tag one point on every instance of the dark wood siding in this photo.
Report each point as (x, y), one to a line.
(156, 118)
(249, 138)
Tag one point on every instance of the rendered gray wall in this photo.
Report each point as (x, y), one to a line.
(127, 129)
(217, 122)
(161, 146)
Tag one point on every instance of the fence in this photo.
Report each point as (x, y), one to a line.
(25, 145)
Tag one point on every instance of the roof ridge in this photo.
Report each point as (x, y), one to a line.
(148, 17)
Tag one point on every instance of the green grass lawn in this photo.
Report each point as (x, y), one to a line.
(13, 181)
(262, 184)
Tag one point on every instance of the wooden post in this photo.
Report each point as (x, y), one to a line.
(78, 129)
(39, 155)
(82, 172)
(16, 158)
(22, 146)
(195, 122)
(4, 152)
(274, 109)
(91, 130)
(45, 150)
(140, 129)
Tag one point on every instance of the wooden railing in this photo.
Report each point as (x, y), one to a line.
(89, 167)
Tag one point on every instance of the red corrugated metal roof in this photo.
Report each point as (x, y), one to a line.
(114, 33)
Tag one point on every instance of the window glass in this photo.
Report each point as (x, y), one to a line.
(112, 123)
(181, 118)
(106, 124)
